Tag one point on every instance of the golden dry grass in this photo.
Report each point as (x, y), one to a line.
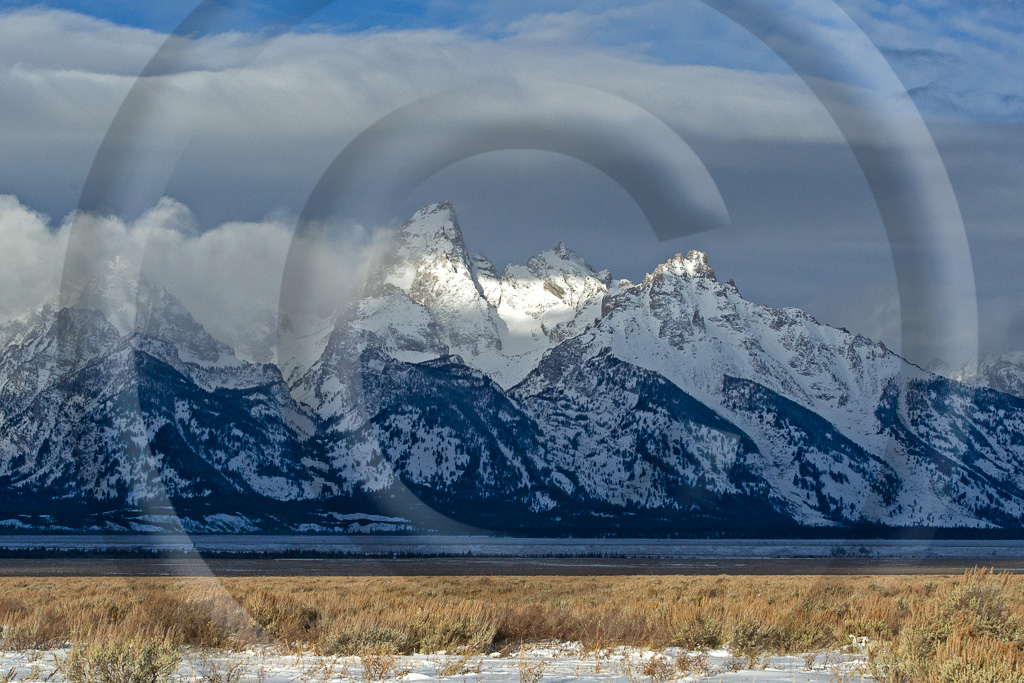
(922, 627)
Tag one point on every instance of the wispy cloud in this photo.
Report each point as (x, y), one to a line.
(959, 60)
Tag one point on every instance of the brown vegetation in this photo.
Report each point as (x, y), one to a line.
(968, 628)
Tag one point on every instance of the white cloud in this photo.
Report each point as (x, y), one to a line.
(229, 277)
(31, 258)
(56, 40)
(335, 84)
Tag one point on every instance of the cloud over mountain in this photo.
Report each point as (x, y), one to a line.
(228, 277)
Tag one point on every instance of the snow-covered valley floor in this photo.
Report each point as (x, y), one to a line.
(556, 662)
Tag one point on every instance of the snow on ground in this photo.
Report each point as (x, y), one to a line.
(553, 663)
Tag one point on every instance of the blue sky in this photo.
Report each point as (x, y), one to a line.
(955, 58)
(238, 128)
(245, 15)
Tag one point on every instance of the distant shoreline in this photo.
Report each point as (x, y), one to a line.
(221, 567)
(255, 547)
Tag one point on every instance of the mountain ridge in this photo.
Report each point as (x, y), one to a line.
(547, 399)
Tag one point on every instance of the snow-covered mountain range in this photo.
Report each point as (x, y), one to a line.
(547, 399)
(1003, 372)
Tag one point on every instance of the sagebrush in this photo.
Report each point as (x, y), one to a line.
(962, 629)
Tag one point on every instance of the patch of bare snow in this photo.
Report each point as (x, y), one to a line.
(556, 662)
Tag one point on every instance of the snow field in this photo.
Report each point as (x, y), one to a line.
(546, 662)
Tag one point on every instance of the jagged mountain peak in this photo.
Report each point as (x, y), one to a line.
(430, 241)
(435, 222)
(425, 293)
(135, 306)
(560, 260)
(118, 289)
(693, 265)
(112, 288)
(443, 208)
(434, 231)
(1002, 372)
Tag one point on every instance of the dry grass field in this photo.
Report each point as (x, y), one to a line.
(957, 629)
